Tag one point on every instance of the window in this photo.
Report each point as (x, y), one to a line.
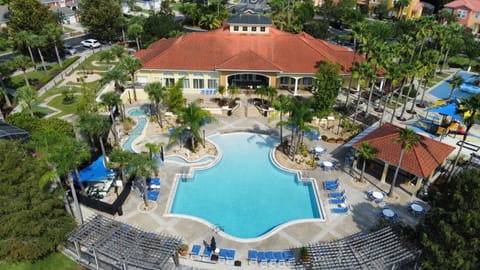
(284, 80)
(262, 29)
(169, 82)
(212, 84)
(254, 29)
(244, 29)
(461, 14)
(307, 81)
(198, 83)
(186, 83)
(477, 15)
(235, 28)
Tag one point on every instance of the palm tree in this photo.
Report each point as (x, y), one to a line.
(409, 139)
(25, 38)
(122, 22)
(143, 166)
(209, 21)
(23, 62)
(366, 152)
(233, 90)
(27, 95)
(193, 117)
(300, 115)
(118, 75)
(94, 126)
(53, 34)
(131, 65)
(106, 56)
(118, 51)
(174, 99)
(154, 148)
(135, 30)
(454, 83)
(4, 92)
(39, 42)
(400, 5)
(122, 160)
(470, 109)
(156, 93)
(282, 104)
(112, 100)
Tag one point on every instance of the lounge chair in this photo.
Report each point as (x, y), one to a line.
(207, 252)
(270, 258)
(279, 257)
(154, 183)
(287, 254)
(340, 210)
(223, 254)
(153, 195)
(338, 200)
(261, 258)
(230, 255)
(252, 256)
(195, 251)
(336, 194)
(330, 187)
(331, 182)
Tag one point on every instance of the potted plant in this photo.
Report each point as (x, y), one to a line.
(183, 250)
(304, 254)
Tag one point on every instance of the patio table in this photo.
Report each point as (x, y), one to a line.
(388, 213)
(416, 208)
(377, 195)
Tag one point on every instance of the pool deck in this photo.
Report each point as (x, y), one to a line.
(363, 214)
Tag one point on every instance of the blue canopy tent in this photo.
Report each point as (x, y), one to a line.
(447, 109)
(95, 172)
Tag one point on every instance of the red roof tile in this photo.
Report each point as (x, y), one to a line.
(220, 49)
(422, 160)
(473, 5)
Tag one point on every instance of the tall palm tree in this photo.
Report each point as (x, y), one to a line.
(282, 105)
(118, 75)
(154, 148)
(7, 68)
(53, 33)
(409, 139)
(366, 152)
(131, 65)
(454, 83)
(22, 62)
(415, 70)
(25, 39)
(143, 166)
(122, 160)
(112, 100)
(135, 30)
(27, 95)
(193, 117)
(94, 126)
(470, 109)
(118, 51)
(300, 115)
(4, 92)
(106, 56)
(156, 93)
(39, 42)
(233, 91)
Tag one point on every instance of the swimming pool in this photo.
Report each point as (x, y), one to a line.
(137, 131)
(139, 111)
(442, 91)
(245, 194)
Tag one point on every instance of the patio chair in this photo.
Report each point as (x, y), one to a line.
(207, 252)
(330, 186)
(195, 251)
(154, 183)
(262, 260)
(270, 258)
(153, 195)
(331, 182)
(252, 256)
(287, 254)
(338, 200)
(279, 257)
(230, 255)
(336, 194)
(340, 210)
(223, 254)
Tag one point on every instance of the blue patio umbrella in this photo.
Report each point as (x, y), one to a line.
(447, 109)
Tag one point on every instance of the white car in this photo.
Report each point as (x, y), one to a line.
(91, 43)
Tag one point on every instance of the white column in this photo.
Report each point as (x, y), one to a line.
(296, 85)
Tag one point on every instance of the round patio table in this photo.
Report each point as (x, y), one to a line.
(377, 195)
(388, 213)
(327, 164)
(416, 207)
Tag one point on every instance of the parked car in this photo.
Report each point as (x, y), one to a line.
(91, 43)
(70, 50)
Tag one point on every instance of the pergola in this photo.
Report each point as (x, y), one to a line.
(109, 244)
(381, 249)
(11, 132)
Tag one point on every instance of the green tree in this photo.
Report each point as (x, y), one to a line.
(112, 100)
(449, 234)
(53, 35)
(94, 126)
(121, 160)
(27, 96)
(174, 99)
(154, 148)
(28, 15)
(131, 65)
(34, 221)
(193, 117)
(159, 25)
(469, 108)
(209, 21)
(136, 30)
(327, 82)
(25, 39)
(156, 93)
(106, 56)
(119, 76)
(22, 62)
(409, 139)
(4, 93)
(366, 152)
(39, 42)
(282, 105)
(143, 166)
(118, 51)
(454, 83)
(100, 17)
(300, 115)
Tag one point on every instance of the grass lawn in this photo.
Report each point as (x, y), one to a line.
(56, 261)
(57, 102)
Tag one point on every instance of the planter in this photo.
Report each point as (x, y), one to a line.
(183, 250)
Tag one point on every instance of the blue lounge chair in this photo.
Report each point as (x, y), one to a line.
(207, 252)
(261, 258)
(338, 200)
(195, 251)
(287, 254)
(223, 254)
(252, 256)
(270, 258)
(340, 210)
(330, 187)
(153, 195)
(279, 257)
(230, 255)
(336, 194)
(331, 182)
(154, 183)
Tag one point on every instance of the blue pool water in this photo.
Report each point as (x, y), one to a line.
(245, 194)
(141, 111)
(184, 161)
(141, 122)
(442, 91)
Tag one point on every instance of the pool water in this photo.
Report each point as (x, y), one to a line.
(442, 91)
(245, 194)
(178, 159)
(137, 131)
(139, 111)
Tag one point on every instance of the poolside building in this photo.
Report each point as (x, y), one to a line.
(422, 162)
(247, 51)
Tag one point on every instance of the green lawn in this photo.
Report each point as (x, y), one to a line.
(57, 102)
(56, 261)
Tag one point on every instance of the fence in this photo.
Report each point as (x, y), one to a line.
(111, 209)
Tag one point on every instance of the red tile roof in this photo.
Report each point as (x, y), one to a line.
(422, 160)
(473, 5)
(220, 49)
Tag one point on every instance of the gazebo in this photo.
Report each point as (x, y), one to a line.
(109, 244)
(422, 161)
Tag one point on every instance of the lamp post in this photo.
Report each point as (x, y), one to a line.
(204, 138)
